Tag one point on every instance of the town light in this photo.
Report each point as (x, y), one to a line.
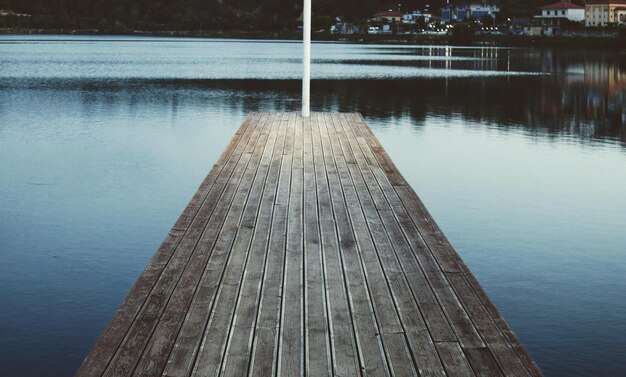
(306, 59)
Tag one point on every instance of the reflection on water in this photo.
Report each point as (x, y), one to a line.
(103, 140)
(590, 105)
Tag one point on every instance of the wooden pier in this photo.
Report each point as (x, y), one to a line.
(306, 253)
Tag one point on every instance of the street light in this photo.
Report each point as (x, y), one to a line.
(306, 58)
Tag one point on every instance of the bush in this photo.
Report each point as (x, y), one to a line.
(118, 28)
(464, 33)
(103, 25)
(323, 22)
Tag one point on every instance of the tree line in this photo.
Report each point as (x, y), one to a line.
(152, 15)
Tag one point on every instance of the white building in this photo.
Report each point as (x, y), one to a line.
(620, 15)
(464, 12)
(604, 12)
(555, 13)
(389, 16)
(412, 17)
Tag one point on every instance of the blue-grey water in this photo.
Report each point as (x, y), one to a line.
(520, 155)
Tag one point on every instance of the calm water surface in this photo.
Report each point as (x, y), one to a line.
(519, 154)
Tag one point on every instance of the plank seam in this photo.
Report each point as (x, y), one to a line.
(83, 371)
(463, 269)
(362, 270)
(262, 128)
(222, 270)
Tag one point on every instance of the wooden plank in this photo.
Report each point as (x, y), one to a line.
(499, 346)
(450, 258)
(207, 251)
(265, 341)
(514, 342)
(482, 361)
(387, 238)
(424, 223)
(229, 259)
(110, 340)
(154, 358)
(345, 360)
(406, 248)
(199, 197)
(236, 362)
(396, 348)
(291, 348)
(130, 350)
(433, 313)
(210, 356)
(452, 307)
(438, 327)
(454, 359)
(445, 255)
(371, 353)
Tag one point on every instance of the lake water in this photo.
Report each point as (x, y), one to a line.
(520, 155)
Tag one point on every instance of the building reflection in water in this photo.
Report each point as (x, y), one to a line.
(579, 93)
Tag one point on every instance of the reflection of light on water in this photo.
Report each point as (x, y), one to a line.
(508, 61)
(575, 69)
(605, 77)
(224, 59)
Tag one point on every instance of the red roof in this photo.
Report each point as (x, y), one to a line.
(621, 2)
(563, 5)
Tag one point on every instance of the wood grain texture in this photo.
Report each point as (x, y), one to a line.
(305, 252)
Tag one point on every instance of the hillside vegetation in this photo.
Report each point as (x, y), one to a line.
(262, 15)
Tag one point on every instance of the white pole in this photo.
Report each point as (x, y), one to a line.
(306, 77)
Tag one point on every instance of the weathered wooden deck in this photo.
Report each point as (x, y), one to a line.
(306, 253)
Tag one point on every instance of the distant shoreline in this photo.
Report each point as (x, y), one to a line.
(594, 43)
